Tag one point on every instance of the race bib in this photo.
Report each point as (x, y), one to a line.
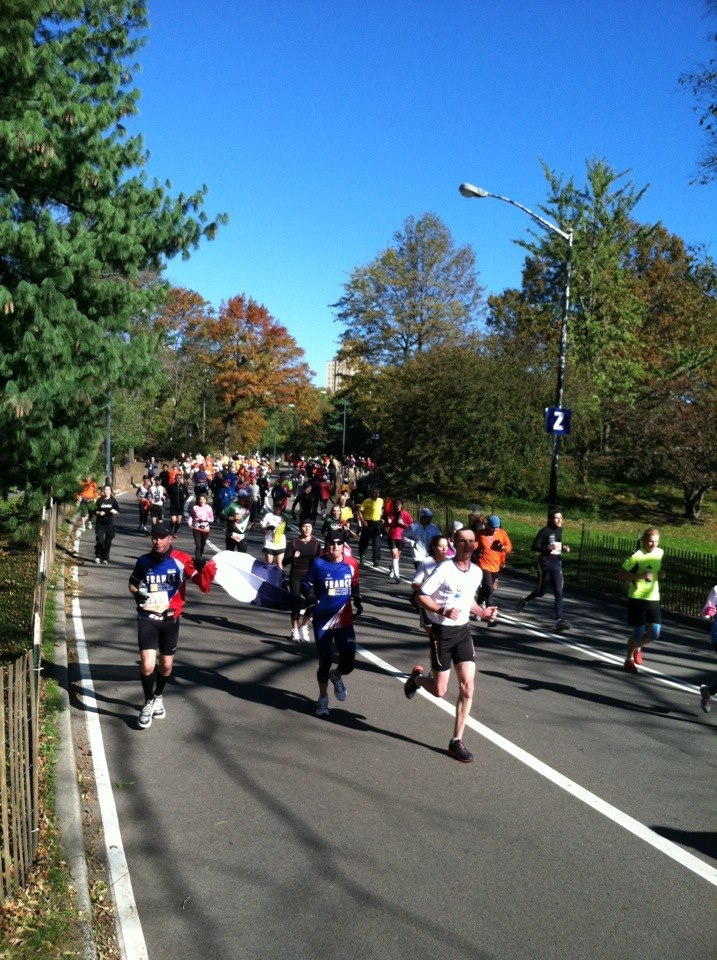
(157, 602)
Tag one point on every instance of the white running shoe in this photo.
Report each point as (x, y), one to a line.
(339, 686)
(295, 635)
(305, 635)
(158, 711)
(144, 719)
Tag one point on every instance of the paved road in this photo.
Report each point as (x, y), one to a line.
(252, 829)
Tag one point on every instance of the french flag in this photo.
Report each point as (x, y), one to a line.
(252, 581)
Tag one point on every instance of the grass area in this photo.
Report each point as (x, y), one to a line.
(620, 510)
(522, 527)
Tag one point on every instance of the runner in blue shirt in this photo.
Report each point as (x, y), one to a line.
(158, 584)
(332, 583)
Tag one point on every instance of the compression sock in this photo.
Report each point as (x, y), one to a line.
(148, 686)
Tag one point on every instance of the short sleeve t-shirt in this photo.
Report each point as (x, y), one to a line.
(451, 587)
(640, 562)
(371, 509)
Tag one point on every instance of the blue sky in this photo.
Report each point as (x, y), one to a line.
(319, 126)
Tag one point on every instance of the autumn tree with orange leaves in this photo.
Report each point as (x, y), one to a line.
(255, 367)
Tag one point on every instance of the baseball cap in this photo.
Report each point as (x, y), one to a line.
(335, 538)
(494, 521)
(457, 525)
(425, 512)
(160, 530)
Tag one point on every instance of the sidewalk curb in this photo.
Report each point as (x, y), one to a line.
(67, 801)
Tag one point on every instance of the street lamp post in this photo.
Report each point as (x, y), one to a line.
(277, 415)
(469, 190)
(343, 435)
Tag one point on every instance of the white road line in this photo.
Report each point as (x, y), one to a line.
(645, 671)
(129, 927)
(128, 922)
(639, 830)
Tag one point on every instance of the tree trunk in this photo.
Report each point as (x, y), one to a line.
(582, 458)
(694, 497)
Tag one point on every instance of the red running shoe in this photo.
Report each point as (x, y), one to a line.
(637, 657)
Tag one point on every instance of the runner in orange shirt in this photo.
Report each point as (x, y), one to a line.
(493, 547)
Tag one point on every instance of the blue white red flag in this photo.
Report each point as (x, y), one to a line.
(252, 581)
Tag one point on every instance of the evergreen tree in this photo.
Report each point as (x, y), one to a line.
(78, 226)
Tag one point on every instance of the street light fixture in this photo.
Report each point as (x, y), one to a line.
(471, 191)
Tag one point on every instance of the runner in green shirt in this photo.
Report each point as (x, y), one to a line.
(642, 571)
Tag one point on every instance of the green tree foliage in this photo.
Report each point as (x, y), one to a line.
(420, 292)
(677, 288)
(607, 313)
(318, 434)
(702, 82)
(671, 439)
(455, 420)
(78, 226)
(642, 315)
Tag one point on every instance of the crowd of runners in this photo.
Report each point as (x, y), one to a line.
(343, 524)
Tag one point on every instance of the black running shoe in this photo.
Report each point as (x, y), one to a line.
(458, 750)
(410, 686)
(520, 605)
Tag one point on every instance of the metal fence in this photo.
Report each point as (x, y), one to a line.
(689, 575)
(20, 729)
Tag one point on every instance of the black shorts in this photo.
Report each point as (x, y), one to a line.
(159, 635)
(640, 612)
(155, 510)
(395, 543)
(450, 644)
